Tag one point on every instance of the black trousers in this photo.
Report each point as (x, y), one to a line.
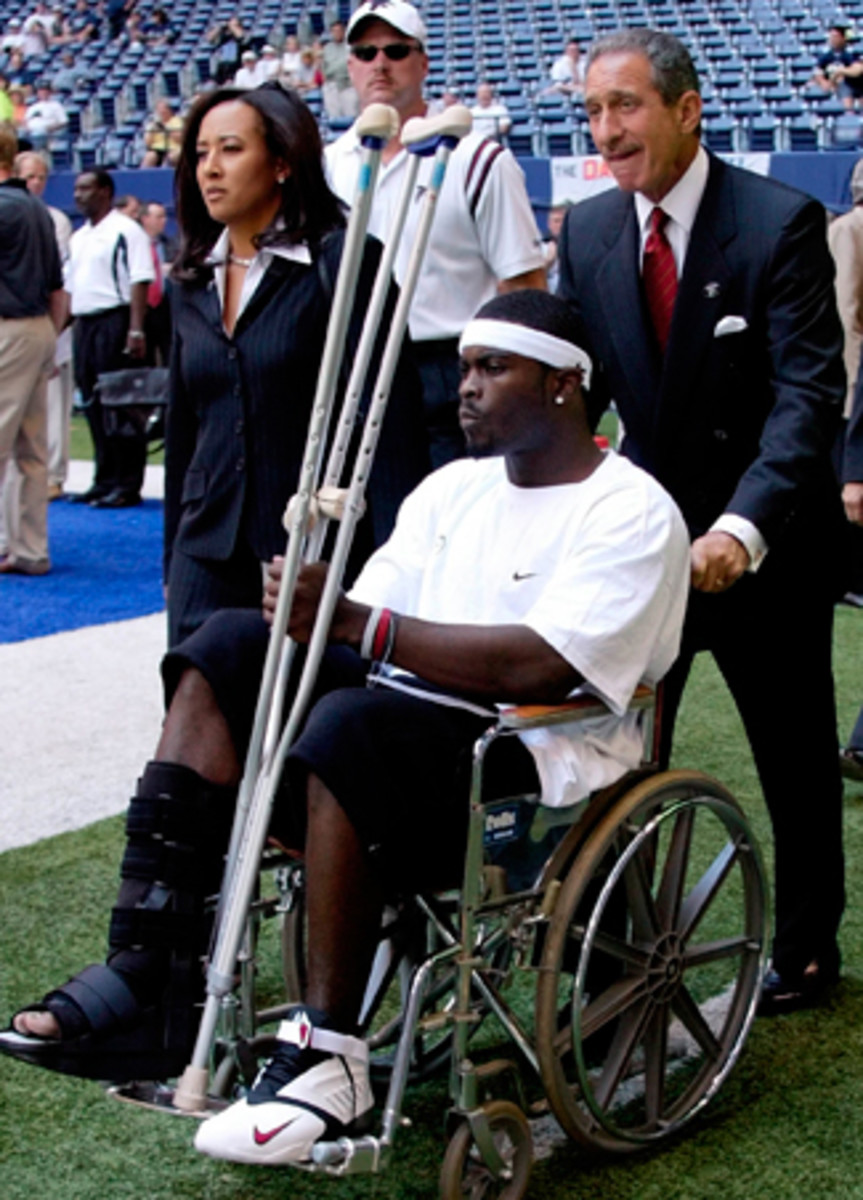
(773, 647)
(157, 331)
(99, 342)
(437, 363)
(198, 587)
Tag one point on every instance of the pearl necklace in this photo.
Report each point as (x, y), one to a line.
(240, 262)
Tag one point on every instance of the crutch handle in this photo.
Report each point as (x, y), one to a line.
(421, 135)
(377, 121)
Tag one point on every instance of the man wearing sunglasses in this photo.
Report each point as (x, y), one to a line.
(484, 238)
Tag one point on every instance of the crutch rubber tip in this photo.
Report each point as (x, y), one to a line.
(454, 122)
(191, 1093)
(378, 120)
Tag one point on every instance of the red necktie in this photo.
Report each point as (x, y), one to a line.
(660, 276)
(154, 291)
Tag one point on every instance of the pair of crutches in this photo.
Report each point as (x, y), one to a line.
(319, 499)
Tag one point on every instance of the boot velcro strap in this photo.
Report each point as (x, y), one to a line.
(102, 996)
(299, 1031)
(155, 929)
(187, 820)
(175, 866)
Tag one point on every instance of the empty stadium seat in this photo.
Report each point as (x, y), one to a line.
(720, 135)
(755, 58)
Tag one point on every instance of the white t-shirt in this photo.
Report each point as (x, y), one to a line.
(564, 70)
(250, 77)
(483, 231)
(599, 569)
(491, 121)
(104, 261)
(46, 116)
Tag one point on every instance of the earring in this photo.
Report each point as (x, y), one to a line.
(560, 401)
(280, 179)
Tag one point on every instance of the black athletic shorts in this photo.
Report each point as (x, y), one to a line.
(398, 765)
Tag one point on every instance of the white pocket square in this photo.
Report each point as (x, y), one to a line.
(730, 325)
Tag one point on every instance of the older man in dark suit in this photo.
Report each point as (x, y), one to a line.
(707, 295)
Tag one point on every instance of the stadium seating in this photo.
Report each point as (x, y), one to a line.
(756, 59)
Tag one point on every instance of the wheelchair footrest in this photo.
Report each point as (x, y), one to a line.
(159, 1097)
(348, 1156)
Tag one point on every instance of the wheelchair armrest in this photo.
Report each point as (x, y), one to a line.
(535, 716)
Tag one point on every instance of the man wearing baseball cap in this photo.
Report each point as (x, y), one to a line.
(484, 237)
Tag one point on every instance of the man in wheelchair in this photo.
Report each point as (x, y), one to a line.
(539, 566)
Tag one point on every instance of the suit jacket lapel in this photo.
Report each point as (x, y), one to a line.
(206, 299)
(274, 278)
(701, 299)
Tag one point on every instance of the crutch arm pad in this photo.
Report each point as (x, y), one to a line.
(421, 132)
(377, 121)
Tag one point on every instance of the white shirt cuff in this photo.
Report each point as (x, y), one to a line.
(746, 533)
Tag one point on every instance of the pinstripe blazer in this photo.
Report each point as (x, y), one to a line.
(240, 406)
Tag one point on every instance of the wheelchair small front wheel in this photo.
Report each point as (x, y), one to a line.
(465, 1171)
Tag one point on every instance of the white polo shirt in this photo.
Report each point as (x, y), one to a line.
(483, 231)
(104, 261)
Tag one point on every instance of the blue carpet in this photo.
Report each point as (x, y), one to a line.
(106, 566)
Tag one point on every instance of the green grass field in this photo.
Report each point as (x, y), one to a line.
(81, 444)
(788, 1122)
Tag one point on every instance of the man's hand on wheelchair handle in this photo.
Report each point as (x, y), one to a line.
(852, 498)
(718, 561)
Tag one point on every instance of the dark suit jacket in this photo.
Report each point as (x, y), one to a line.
(239, 410)
(742, 422)
(852, 464)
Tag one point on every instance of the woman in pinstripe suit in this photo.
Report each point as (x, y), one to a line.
(261, 241)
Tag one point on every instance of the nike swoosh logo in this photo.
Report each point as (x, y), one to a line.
(518, 576)
(261, 1139)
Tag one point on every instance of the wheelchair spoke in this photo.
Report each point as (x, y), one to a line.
(708, 952)
(703, 894)
(646, 925)
(655, 1057)
(670, 893)
(621, 950)
(624, 1044)
(614, 1002)
(689, 1014)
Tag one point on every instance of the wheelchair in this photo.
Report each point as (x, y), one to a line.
(619, 942)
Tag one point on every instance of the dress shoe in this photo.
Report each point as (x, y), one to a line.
(786, 993)
(24, 566)
(851, 763)
(117, 499)
(92, 493)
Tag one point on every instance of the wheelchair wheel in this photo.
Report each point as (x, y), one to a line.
(652, 963)
(465, 1171)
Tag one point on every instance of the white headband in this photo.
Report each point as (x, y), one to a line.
(532, 343)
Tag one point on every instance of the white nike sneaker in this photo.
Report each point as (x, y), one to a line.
(315, 1087)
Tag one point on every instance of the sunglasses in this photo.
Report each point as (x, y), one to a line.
(395, 52)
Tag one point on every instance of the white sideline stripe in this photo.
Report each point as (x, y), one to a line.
(80, 714)
(80, 476)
